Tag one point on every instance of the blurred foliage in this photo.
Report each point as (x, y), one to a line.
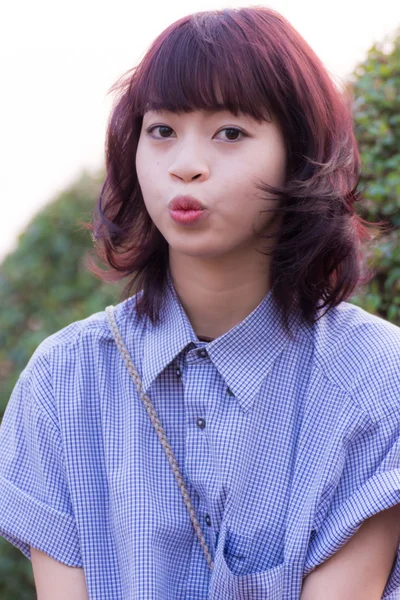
(16, 577)
(44, 284)
(376, 89)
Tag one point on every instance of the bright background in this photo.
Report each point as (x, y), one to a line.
(59, 59)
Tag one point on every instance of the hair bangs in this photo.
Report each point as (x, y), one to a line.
(193, 70)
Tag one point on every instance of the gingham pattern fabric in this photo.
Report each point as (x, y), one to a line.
(286, 446)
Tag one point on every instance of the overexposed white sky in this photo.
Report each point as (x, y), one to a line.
(59, 59)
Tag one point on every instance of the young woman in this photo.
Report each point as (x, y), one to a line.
(229, 202)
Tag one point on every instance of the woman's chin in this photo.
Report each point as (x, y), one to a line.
(195, 250)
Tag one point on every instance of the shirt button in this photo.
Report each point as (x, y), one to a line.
(208, 520)
(202, 353)
(178, 372)
(230, 392)
(200, 423)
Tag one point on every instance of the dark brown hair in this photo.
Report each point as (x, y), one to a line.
(258, 63)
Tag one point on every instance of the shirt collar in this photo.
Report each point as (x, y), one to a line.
(243, 355)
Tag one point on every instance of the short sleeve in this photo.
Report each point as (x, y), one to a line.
(35, 507)
(368, 483)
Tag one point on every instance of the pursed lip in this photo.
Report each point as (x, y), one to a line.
(185, 203)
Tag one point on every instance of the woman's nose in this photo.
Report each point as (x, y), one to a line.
(189, 165)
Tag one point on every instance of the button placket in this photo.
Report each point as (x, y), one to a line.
(177, 368)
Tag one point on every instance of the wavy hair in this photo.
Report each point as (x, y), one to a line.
(258, 64)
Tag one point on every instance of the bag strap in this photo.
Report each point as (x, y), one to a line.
(159, 430)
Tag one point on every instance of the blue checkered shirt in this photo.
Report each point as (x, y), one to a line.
(286, 447)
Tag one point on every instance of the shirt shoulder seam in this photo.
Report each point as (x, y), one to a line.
(350, 395)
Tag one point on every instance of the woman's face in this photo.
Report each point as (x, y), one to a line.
(215, 157)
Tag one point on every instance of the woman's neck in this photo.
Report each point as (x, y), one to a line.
(216, 300)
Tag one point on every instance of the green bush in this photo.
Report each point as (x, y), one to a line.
(44, 284)
(376, 88)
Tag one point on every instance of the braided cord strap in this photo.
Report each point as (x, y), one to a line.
(159, 430)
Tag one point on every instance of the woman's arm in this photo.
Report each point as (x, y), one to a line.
(56, 581)
(360, 569)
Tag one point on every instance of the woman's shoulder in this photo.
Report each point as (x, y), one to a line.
(360, 352)
(82, 336)
(350, 326)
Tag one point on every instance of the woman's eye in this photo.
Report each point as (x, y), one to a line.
(232, 134)
(163, 131)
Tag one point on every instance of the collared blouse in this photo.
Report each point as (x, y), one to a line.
(286, 445)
